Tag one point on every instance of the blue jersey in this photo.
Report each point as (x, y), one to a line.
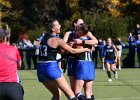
(46, 52)
(138, 45)
(85, 67)
(47, 67)
(85, 55)
(109, 53)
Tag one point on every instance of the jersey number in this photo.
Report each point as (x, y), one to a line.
(43, 50)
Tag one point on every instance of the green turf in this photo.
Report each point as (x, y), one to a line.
(127, 87)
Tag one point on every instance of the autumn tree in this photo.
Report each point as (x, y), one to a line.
(4, 10)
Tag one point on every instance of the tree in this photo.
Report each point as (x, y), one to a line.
(73, 8)
(4, 10)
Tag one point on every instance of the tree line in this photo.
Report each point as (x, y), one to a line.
(108, 18)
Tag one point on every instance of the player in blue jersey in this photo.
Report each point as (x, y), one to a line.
(110, 58)
(84, 71)
(47, 67)
(68, 37)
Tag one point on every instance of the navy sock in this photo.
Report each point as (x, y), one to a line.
(80, 96)
(109, 74)
(92, 97)
(73, 98)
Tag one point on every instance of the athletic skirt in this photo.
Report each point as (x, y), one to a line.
(72, 63)
(109, 61)
(48, 70)
(85, 70)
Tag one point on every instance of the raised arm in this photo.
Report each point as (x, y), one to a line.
(66, 36)
(92, 41)
(115, 49)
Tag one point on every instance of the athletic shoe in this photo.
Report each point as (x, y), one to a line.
(109, 80)
(119, 67)
(116, 76)
(104, 69)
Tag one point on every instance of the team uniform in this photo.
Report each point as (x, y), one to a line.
(10, 89)
(109, 54)
(47, 67)
(72, 60)
(85, 67)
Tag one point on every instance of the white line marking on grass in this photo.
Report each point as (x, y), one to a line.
(119, 98)
(109, 99)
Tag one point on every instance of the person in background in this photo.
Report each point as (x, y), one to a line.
(101, 44)
(47, 67)
(137, 30)
(119, 46)
(138, 48)
(21, 48)
(110, 59)
(10, 62)
(30, 52)
(95, 55)
(132, 50)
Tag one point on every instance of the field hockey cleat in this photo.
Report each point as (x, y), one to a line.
(119, 68)
(109, 80)
(116, 76)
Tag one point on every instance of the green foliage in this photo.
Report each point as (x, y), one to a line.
(33, 34)
(30, 14)
(107, 26)
(73, 7)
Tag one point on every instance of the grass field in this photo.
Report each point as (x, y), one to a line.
(127, 87)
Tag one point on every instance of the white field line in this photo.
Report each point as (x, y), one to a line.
(119, 98)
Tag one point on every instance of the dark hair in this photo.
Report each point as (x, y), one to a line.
(83, 28)
(75, 21)
(48, 24)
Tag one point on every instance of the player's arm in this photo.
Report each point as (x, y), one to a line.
(66, 47)
(92, 41)
(115, 49)
(66, 36)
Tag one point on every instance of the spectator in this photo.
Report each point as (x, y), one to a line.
(119, 46)
(30, 52)
(137, 30)
(21, 49)
(101, 44)
(95, 55)
(138, 48)
(10, 61)
(132, 45)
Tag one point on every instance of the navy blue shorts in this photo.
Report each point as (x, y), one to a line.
(11, 91)
(72, 63)
(48, 71)
(109, 61)
(85, 70)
